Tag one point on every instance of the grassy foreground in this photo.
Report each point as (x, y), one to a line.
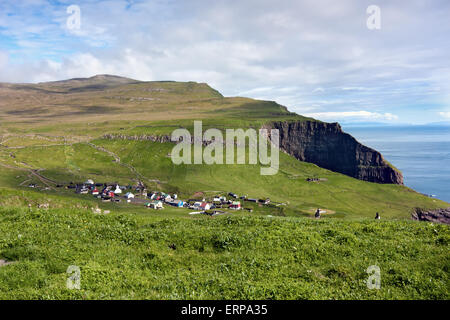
(145, 256)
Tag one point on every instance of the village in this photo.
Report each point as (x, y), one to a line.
(156, 200)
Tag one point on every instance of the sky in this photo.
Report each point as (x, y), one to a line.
(320, 58)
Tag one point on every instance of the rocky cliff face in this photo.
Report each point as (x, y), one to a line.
(326, 145)
(438, 215)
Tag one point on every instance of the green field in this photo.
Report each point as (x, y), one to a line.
(278, 251)
(142, 256)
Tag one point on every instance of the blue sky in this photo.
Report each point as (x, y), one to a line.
(317, 57)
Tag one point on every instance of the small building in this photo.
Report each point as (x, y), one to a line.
(84, 191)
(235, 205)
(177, 203)
(233, 195)
(196, 205)
(205, 206)
(95, 192)
(89, 182)
(155, 205)
(118, 190)
(129, 195)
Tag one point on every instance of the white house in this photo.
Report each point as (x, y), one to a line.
(205, 206)
(155, 205)
(118, 190)
(129, 195)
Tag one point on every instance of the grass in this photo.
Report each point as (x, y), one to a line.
(127, 256)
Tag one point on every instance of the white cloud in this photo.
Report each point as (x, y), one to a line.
(356, 115)
(319, 89)
(311, 55)
(445, 114)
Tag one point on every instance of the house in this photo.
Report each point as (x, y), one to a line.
(89, 182)
(111, 194)
(235, 205)
(177, 203)
(216, 199)
(205, 206)
(180, 204)
(129, 195)
(233, 195)
(167, 198)
(252, 200)
(155, 205)
(95, 192)
(83, 191)
(222, 199)
(175, 196)
(118, 190)
(267, 201)
(196, 205)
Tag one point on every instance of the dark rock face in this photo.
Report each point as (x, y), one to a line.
(326, 145)
(439, 215)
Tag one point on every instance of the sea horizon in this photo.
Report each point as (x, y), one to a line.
(420, 152)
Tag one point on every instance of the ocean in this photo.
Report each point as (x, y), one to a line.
(421, 153)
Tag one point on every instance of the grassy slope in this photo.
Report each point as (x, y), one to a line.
(240, 257)
(126, 254)
(347, 197)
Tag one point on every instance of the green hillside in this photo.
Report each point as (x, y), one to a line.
(55, 133)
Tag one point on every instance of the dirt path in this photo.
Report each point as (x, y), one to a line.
(138, 175)
(73, 140)
(31, 172)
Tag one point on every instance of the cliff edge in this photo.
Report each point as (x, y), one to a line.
(326, 145)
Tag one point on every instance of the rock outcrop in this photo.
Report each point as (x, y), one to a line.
(326, 145)
(438, 215)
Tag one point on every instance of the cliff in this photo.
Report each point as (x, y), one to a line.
(326, 145)
(438, 215)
